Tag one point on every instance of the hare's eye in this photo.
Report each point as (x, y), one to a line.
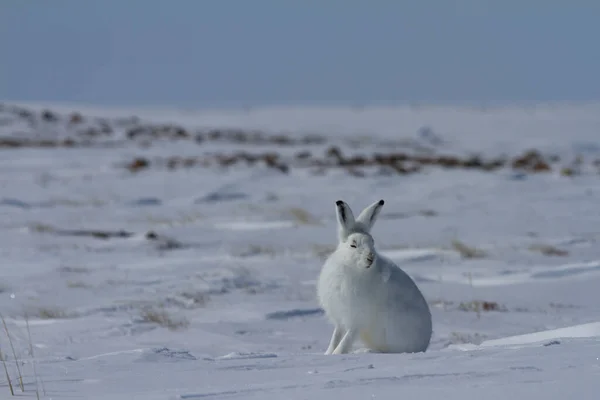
(353, 245)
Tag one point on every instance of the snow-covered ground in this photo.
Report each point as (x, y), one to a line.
(149, 270)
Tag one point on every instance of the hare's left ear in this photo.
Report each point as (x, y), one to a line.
(345, 219)
(369, 215)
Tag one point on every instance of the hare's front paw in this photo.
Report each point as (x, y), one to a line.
(346, 342)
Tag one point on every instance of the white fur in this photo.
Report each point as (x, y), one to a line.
(365, 295)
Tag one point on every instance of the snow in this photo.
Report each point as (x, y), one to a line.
(226, 258)
(590, 330)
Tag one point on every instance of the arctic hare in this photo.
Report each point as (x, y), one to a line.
(364, 294)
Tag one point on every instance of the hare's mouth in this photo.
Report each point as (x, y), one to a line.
(369, 262)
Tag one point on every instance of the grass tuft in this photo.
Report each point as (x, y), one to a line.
(302, 217)
(478, 306)
(74, 270)
(463, 337)
(467, 251)
(78, 285)
(10, 386)
(164, 319)
(549, 250)
(52, 313)
(196, 298)
(37, 389)
(12, 347)
(256, 249)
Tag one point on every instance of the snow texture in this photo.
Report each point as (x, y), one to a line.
(199, 283)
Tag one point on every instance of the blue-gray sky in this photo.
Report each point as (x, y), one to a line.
(215, 53)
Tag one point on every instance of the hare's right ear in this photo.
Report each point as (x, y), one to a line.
(369, 215)
(345, 219)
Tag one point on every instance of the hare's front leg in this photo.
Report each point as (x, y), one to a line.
(335, 339)
(346, 343)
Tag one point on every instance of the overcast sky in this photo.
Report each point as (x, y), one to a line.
(215, 53)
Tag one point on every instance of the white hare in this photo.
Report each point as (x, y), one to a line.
(364, 294)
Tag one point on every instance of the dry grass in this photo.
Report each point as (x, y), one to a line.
(74, 270)
(180, 219)
(402, 215)
(549, 250)
(394, 215)
(403, 156)
(403, 162)
(41, 228)
(37, 390)
(427, 213)
(189, 300)
(12, 347)
(51, 313)
(360, 165)
(164, 319)
(242, 279)
(561, 306)
(568, 171)
(197, 298)
(93, 233)
(302, 217)
(116, 282)
(460, 337)
(440, 303)
(467, 251)
(163, 243)
(479, 305)
(255, 250)
(10, 386)
(78, 285)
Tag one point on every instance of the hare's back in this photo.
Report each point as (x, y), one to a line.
(401, 290)
(408, 324)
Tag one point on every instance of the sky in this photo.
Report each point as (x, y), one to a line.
(227, 53)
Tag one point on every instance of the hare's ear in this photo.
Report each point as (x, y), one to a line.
(368, 216)
(345, 219)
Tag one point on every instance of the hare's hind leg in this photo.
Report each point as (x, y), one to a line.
(337, 335)
(346, 343)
